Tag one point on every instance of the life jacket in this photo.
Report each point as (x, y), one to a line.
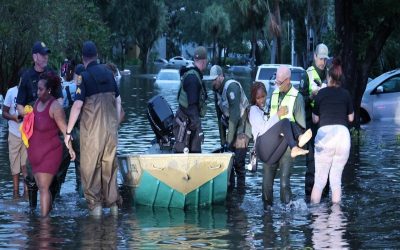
(223, 99)
(182, 95)
(288, 100)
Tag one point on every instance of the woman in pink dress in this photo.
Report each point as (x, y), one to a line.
(45, 148)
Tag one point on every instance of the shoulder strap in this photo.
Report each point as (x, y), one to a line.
(69, 97)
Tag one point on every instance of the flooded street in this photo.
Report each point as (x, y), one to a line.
(367, 218)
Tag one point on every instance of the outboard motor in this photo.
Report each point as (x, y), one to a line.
(161, 118)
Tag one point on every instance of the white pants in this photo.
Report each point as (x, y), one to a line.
(332, 148)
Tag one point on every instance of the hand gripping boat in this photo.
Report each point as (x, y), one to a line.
(164, 179)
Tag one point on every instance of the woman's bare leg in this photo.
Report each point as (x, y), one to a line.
(43, 181)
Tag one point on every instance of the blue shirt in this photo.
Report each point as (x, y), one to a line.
(97, 78)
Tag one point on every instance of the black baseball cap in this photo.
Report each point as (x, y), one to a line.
(41, 48)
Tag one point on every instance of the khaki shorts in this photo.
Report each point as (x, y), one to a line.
(17, 153)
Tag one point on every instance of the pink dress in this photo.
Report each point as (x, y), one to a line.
(45, 149)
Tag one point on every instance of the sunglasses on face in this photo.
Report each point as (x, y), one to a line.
(279, 83)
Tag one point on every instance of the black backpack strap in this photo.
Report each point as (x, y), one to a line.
(69, 97)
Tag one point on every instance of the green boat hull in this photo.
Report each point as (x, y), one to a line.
(163, 181)
(153, 192)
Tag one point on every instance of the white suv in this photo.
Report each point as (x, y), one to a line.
(266, 74)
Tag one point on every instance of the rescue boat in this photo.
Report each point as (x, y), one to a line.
(161, 178)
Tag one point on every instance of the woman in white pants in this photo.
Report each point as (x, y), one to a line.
(333, 110)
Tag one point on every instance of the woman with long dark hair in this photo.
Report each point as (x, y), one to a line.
(333, 111)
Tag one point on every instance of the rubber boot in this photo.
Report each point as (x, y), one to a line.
(32, 191)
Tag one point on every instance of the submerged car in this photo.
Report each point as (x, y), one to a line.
(381, 99)
(168, 76)
(179, 61)
(161, 61)
(239, 69)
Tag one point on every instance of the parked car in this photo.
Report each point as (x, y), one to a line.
(239, 69)
(381, 99)
(179, 61)
(161, 61)
(266, 74)
(168, 76)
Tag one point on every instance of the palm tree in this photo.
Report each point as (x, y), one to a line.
(253, 15)
(215, 24)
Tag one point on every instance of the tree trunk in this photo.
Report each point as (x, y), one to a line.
(253, 47)
(214, 50)
(220, 49)
(273, 51)
(143, 55)
(122, 60)
(277, 14)
(226, 55)
(356, 70)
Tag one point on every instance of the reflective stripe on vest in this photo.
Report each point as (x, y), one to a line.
(288, 100)
(223, 99)
(312, 75)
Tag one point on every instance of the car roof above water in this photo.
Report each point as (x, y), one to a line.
(378, 80)
(266, 72)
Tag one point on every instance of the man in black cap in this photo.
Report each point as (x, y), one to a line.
(98, 102)
(192, 97)
(27, 95)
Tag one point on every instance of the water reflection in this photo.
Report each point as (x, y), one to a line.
(97, 233)
(42, 234)
(178, 229)
(328, 227)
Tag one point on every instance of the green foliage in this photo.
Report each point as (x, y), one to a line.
(133, 61)
(62, 25)
(17, 34)
(215, 22)
(184, 20)
(252, 13)
(150, 20)
(215, 25)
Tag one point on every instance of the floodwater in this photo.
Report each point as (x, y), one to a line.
(367, 218)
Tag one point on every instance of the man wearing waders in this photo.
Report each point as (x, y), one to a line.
(231, 106)
(98, 102)
(285, 95)
(192, 97)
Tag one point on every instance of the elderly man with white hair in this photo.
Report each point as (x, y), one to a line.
(284, 96)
